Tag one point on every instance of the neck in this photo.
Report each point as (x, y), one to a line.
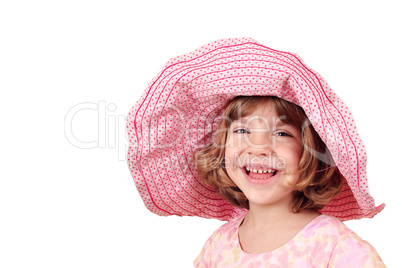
(259, 217)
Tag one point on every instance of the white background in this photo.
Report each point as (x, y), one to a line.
(66, 206)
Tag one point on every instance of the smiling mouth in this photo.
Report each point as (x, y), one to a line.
(260, 174)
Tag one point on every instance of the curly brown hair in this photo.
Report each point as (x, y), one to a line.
(319, 181)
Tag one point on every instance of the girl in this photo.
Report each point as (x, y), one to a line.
(240, 132)
(276, 166)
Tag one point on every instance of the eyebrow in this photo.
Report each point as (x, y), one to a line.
(278, 123)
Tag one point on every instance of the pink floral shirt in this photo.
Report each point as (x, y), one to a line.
(324, 242)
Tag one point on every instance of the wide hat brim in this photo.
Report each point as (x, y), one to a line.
(180, 110)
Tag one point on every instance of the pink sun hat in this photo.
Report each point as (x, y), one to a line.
(180, 111)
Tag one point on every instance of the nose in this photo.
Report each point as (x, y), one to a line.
(261, 143)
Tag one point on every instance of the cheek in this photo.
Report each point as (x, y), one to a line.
(234, 142)
(229, 157)
(232, 148)
(293, 155)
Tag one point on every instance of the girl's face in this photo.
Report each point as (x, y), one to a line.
(262, 156)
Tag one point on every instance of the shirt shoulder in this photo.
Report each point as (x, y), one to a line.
(328, 226)
(330, 243)
(353, 251)
(347, 249)
(326, 231)
(221, 240)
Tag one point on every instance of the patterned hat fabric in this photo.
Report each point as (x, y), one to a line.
(180, 111)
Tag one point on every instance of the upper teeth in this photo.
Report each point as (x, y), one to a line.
(260, 170)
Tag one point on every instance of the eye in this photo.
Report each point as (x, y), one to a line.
(283, 134)
(241, 131)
